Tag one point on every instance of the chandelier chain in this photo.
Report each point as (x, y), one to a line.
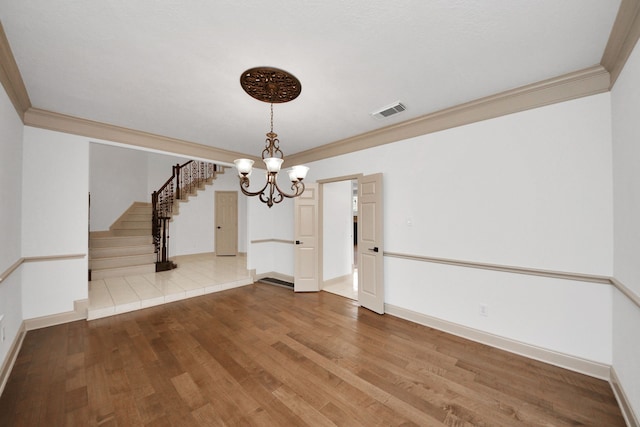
(272, 117)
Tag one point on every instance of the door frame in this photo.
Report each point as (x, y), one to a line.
(321, 183)
(301, 244)
(215, 220)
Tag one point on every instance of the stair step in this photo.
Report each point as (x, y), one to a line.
(134, 225)
(133, 232)
(115, 241)
(139, 217)
(121, 261)
(116, 251)
(100, 234)
(123, 271)
(146, 210)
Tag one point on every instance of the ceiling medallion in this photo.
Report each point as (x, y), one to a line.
(274, 86)
(270, 85)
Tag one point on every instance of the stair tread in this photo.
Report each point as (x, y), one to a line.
(128, 256)
(149, 248)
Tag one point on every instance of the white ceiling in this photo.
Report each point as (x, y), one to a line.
(172, 67)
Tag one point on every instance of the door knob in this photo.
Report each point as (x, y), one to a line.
(298, 242)
(219, 227)
(374, 249)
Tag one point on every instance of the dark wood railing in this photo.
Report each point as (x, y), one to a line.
(185, 180)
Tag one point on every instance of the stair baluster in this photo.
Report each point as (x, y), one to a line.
(186, 179)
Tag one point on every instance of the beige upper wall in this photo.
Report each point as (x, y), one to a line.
(600, 78)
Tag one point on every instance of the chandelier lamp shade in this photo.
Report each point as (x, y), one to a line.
(273, 86)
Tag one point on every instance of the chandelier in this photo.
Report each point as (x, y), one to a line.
(273, 86)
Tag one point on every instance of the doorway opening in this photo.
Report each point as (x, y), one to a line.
(340, 238)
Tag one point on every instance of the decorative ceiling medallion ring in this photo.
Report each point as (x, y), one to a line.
(272, 85)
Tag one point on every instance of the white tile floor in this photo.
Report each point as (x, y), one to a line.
(347, 288)
(196, 275)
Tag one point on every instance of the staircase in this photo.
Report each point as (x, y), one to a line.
(127, 248)
(136, 243)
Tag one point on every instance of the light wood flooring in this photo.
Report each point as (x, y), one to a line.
(261, 355)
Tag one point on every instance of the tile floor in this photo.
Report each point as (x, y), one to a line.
(347, 288)
(196, 275)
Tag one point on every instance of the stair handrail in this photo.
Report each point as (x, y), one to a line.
(185, 179)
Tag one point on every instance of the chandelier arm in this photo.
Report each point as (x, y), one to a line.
(297, 187)
(244, 187)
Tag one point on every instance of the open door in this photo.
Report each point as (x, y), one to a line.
(370, 230)
(306, 278)
(226, 221)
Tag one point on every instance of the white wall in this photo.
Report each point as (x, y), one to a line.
(118, 177)
(271, 224)
(533, 190)
(10, 220)
(626, 161)
(193, 229)
(337, 230)
(54, 220)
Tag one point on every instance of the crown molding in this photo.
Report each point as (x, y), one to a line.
(74, 125)
(623, 38)
(589, 81)
(10, 77)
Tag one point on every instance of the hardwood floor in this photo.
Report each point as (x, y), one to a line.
(262, 355)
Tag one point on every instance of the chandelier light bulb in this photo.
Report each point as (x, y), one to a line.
(300, 171)
(244, 166)
(273, 164)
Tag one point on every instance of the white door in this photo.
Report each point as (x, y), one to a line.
(226, 222)
(306, 241)
(370, 229)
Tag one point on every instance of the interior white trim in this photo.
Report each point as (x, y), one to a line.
(76, 126)
(79, 312)
(13, 267)
(573, 363)
(505, 268)
(581, 83)
(580, 277)
(10, 77)
(623, 401)
(12, 355)
(626, 291)
(622, 39)
(290, 242)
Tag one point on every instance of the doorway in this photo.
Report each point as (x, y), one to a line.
(226, 222)
(340, 237)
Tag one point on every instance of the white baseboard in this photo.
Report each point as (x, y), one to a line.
(79, 313)
(627, 411)
(7, 366)
(573, 363)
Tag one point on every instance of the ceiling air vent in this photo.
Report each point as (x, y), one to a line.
(389, 110)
